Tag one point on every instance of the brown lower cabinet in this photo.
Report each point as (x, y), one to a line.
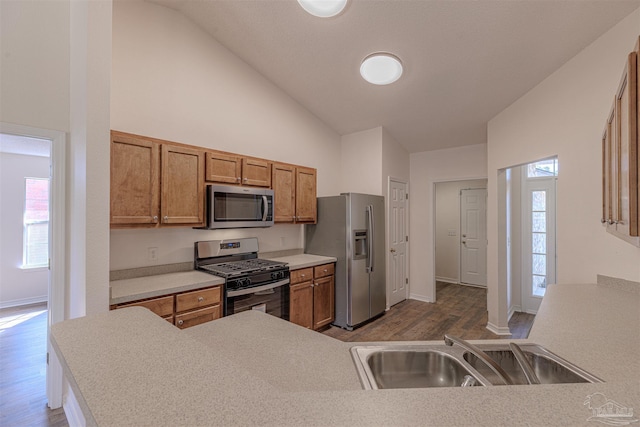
(184, 309)
(312, 296)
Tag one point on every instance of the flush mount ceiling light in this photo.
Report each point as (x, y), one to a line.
(381, 68)
(323, 8)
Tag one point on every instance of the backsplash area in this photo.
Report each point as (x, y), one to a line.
(135, 248)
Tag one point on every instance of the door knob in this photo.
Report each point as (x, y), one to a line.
(393, 251)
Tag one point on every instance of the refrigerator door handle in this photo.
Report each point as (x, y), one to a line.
(370, 239)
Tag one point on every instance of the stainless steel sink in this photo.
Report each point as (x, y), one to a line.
(408, 366)
(549, 368)
(415, 369)
(422, 366)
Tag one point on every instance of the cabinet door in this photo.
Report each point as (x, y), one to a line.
(323, 301)
(306, 199)
(256, 173)
(135, 183)
(182, 185)
(609, 184)
(627, 151)
(223, 168)
(301, 304)
(284, 188)
(196, 317)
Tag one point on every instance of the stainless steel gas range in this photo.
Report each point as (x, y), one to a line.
(250, 283)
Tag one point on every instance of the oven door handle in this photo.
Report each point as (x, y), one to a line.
(266, 287)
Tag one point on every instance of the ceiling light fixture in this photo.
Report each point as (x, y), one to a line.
(381, 68)
(323, 8)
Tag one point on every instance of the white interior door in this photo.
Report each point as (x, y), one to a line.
(539, 240)
(397, 284)
(473, 237)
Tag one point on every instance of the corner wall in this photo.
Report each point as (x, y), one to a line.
(427, 168)
(564, 116)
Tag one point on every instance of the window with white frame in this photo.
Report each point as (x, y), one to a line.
(36, 223)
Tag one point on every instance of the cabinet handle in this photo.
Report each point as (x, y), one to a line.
(246, 179)
(180, 322)
(302, 275)
(325, 270)
(200, 299)
(610, 221)
(238, 179)
(165, 219)
(603, 221)
(155, 219)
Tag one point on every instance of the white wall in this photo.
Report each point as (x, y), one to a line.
(173, 81)
(18, 286)
(564, 116)
(361, 162)
(428, 168)
(447, 218)
(40, 90)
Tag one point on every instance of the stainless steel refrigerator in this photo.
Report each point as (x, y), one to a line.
(351, 227)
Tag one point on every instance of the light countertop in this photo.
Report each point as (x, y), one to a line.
(297, 262)
(130, 367)
(127, 290)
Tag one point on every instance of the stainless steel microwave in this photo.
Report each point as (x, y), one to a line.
(239, 207)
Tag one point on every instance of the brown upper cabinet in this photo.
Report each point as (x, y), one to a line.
(155, 182)
(135, 180)
(621, 158)
(161, 183)
(233, 169)
(294, 190)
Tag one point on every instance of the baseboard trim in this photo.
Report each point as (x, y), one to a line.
(447, 280)
(498, 330)
(23, 301)
(419, 298)
(72, 409)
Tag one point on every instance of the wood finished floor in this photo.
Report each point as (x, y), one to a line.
(23, 353)
(459, 310)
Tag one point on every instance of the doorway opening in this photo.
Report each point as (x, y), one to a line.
(531, 233)
(39, 246)
(460, 233)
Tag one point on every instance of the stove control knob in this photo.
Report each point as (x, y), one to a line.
(246, 282)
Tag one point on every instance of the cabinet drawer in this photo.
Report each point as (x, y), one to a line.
(302, 275)
(197, 299)
(323, 271)
(162, 306)
(197, 317)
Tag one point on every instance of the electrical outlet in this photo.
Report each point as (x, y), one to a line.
(152, 254)
(452, 233)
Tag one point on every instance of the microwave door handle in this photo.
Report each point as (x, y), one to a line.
(265, 207)
(370, 239)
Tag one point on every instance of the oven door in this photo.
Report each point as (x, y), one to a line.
(272, 298)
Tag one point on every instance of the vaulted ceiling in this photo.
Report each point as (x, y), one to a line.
(465, 61)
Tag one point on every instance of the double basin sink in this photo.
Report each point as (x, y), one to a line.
(421, 366)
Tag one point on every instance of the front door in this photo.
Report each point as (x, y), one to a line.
(473, 242)
(397, 283)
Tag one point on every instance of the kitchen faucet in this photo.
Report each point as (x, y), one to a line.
(450, 340)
